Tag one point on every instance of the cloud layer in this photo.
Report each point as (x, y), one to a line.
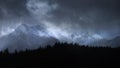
(73, 21)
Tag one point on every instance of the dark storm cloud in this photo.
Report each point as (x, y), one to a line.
(15, 8)
(77, 8)
(13, 12)
(96, 15)
(77, 21)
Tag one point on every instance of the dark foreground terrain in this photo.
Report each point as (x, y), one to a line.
(61, 55)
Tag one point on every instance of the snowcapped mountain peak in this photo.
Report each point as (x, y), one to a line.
(22, 28)
(26, 36)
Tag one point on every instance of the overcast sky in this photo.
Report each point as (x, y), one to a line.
(63, 17)
(96, 15)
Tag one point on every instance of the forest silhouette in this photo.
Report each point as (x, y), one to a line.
(61, 54)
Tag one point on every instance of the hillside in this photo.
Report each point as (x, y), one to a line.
(61, 55)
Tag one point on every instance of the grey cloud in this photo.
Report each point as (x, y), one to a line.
(97, 15)
(66, 20)
(15, 8)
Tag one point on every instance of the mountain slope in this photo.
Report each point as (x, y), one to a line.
(114, 42)
(25, 37)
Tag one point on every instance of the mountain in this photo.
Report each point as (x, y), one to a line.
(114, 42)
(86, 38)
(27, 37)
(101, 42)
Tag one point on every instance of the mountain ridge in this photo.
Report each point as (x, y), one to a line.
(24, 37)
